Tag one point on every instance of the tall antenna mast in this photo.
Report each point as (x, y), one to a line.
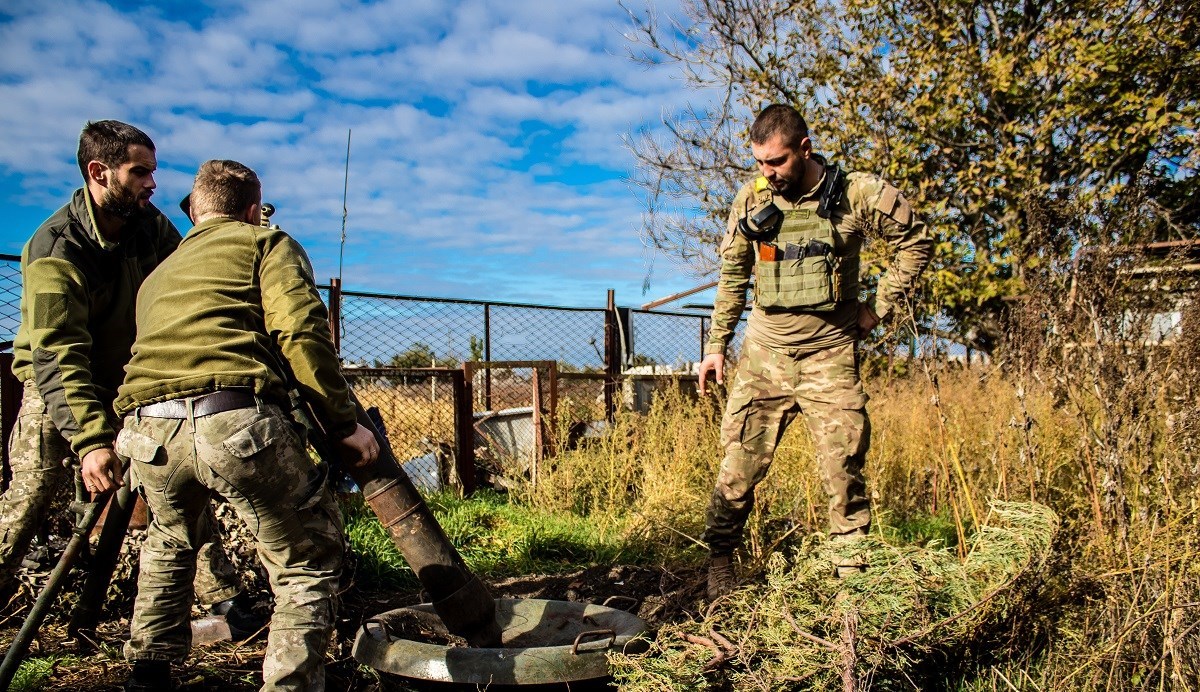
(345, 189)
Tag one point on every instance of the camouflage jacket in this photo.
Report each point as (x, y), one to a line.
(236, 307)
(77, 313)
(869, 208)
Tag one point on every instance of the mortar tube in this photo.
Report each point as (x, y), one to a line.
(90, 514)
(458, 596)
(86, 614)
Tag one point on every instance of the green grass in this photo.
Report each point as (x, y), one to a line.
(35, 673)
(500, 536)
(496, 537)
(918, 528)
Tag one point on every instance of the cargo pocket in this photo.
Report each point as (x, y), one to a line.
(733, 423)
(138, 447)
(853, 401)
(253, 439)
(268, 465)
(150, 464)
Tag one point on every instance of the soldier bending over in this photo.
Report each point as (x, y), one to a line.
(799, 228)
(229, 322)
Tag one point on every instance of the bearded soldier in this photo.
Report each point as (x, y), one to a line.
(81, 272)
(799, 228)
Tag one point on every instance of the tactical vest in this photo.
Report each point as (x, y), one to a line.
(813, 281)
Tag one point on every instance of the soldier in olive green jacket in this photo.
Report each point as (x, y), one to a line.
(226, 326)
(81, 272)
(798, 230)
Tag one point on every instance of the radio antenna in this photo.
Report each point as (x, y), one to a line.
(345, 189)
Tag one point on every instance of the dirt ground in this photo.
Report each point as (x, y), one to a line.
(657, 595)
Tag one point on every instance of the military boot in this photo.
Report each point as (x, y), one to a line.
(721, 578)
(240, 616)
(849, 562)
(149, 676)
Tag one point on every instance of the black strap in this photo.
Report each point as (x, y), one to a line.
(831, 192)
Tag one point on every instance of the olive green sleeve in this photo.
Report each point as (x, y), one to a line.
(298, 322)
(58, 311)
(737, 265)
(888, 214)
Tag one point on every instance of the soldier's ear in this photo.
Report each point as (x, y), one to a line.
(804, 148)
(97, 172)
(253, 214)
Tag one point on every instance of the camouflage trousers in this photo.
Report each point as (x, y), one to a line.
(42, 470)
(770, 388)
(255, 459)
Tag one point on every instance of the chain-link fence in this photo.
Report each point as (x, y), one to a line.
(404, 355)
(419, 411)
(10, 319)
(529, 368)
(377, 330)
(10, 297)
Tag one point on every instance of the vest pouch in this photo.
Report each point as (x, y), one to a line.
(795, 284)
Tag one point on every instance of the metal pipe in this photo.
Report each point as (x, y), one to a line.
(676, 296)
(86, 614)
(459, 598)
(20, 643)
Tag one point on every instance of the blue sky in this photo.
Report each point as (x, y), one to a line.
(486, 158)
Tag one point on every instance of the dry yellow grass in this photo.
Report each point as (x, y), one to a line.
(1107, 436)
(1120, 465)
(411, 414)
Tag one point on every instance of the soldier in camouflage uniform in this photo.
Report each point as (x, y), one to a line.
(226, 326)
(81, 271)
(798, 229)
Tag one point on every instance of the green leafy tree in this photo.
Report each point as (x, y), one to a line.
(974, 109)
(419, 355)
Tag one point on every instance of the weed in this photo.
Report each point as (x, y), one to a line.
(35, 673)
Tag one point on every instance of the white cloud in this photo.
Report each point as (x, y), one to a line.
(462, 114)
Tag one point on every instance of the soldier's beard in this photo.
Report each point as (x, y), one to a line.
(784, 185)
(122, 202)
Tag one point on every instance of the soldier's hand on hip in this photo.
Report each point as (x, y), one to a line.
(361, 447)
(867, 320)
(713, 362)
(101, 470)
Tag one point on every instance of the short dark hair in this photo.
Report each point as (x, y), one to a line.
(224, 188)
(781, 119)
(108, 142)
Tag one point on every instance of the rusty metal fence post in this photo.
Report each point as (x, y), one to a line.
(612, 358)
(464, 431)
(487, 355)
(335, 313)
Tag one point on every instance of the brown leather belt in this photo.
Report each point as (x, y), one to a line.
(203, 405)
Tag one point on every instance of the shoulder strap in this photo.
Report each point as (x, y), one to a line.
(831, 192)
